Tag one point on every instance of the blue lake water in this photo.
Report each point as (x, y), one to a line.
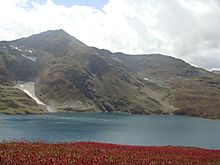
(156, 130)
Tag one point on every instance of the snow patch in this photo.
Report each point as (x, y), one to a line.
(18, 49)
(50, 109)
(28, 88)
(33, 97)
(15, 47)
(30, 58)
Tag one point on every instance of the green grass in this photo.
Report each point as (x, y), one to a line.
(15, 101)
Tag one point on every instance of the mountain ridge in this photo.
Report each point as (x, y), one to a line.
(195, 90)
(71, 76)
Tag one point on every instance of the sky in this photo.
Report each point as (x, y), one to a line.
(98, 4)
(186, 29)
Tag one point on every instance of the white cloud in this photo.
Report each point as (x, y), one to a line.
(187, 29)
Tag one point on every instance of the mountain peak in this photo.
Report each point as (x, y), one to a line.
(54, 32)
(49, 40)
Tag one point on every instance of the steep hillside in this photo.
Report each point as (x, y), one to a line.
(13, 67)
(195, 92)
(155, 66)
(71, 76)
(14, 101)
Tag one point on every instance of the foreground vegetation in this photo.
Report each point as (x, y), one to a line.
(98, 153)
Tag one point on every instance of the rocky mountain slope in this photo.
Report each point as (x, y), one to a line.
(216, 72)
(70, 76)
(195, 91)
(13, 67)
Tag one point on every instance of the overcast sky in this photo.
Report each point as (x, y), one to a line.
(187, 29)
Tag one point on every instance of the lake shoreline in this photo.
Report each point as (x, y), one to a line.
(116, 112)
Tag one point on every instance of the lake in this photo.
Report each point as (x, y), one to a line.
(155, 130)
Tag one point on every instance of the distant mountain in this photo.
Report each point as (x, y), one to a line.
(194, 91)
(216, 71)
(70, 76)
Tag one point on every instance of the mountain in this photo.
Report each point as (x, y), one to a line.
(195, 91)
(13, 67)
(216, 71)
(71, 76)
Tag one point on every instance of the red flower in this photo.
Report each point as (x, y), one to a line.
(97, 154)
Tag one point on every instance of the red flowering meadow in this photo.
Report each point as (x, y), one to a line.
(24, 153)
